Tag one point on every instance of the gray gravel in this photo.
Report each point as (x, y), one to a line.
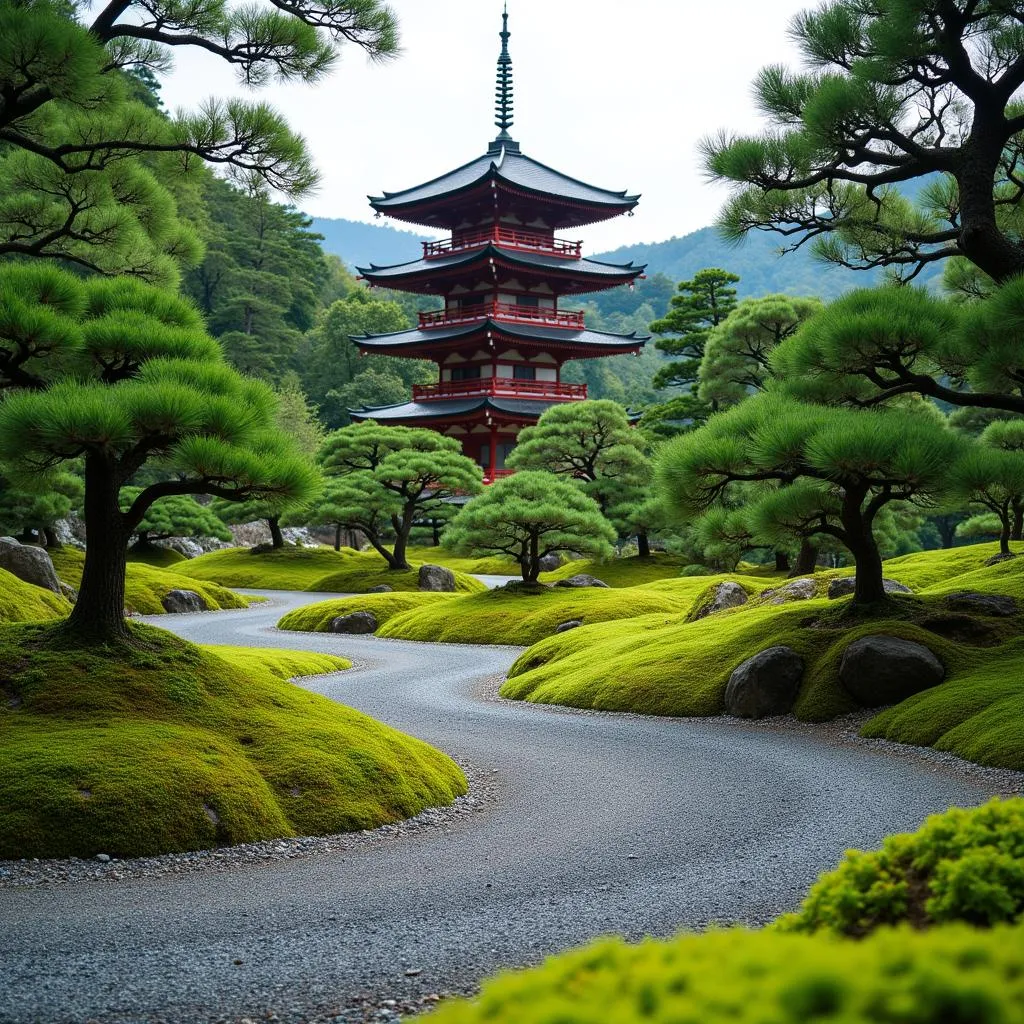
(590, 824)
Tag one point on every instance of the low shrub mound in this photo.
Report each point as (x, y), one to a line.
(146, 586)
(289, 568)
(159, 558)
(962, 865)
(317, 618)
(952, 975)
(162, 746)
(24, 602)
(366, 570)
(622, 572)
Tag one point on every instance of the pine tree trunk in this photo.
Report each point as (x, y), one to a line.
(337, 537)
(399, 560)
(806, 559)
(781, 561)
(435, 527)
(869, 584)
(52, 540)
(276, 536)
(1004, 537)
(530, 564)
(1018, 520)
(643, 544)
(98, 614)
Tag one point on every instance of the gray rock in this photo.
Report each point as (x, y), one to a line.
(878, 670)
(31, 564)
(724, 595)
(356, 622)
(766, 684)
(183, 545)
(177, 601)
(103, 858)
(69, 592)
(564, 627)
(582, 580)
(969, 601)
(804, 589)
(436, 578)
(845, 585)
(381, 588)
(549, 563)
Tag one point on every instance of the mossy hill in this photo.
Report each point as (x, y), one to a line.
(162, 746)
(24, 602)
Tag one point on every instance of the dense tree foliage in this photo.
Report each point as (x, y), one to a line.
(177, 515)
(898, 93)
(31, 510)
(528, 516)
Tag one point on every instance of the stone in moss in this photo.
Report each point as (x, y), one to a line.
(878, 670)
(766, 684)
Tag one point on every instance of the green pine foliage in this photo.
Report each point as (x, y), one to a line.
(36, 505)
(963, 865)
(178, 515)
(528, 516)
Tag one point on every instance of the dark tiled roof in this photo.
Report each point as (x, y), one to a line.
(540, 261)
(525, 331)
(514, 168)
(452, 407)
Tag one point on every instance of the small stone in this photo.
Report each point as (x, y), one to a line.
(766, 684)
(103, 858)
(564, 627)
(878, 670)
(723, 596)
(999, 605)
(382, 588)
(798, 590)
(28, 563)
(549, 563)
(182, 601)
(437, 579)
(845, 586)
(413, 971)
(356, 622)
(582, 580)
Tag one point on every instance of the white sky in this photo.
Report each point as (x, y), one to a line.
(616, 92)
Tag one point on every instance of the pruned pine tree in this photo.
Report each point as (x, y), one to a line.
(895, 96)
(527, 516)
(386, 479)
(29, 509)
(237, 512)
(178, 515)
(828, 471)
(990, 479)
(149, 386)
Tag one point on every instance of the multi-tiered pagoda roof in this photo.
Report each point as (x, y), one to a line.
(502, 336)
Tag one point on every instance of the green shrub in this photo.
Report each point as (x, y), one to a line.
(952, 975)
(963, 865)
(694, 569)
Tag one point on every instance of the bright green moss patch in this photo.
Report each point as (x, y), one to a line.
(366, 570)
(290, 568)
(962, 865)
(952, 975)
(164, 746)
(924, 569)
(23, 602)
(280, 662)
(494, 566)
(622, 572)
(316, 618)
(159, 558)
(146, 586)
(1001, 578)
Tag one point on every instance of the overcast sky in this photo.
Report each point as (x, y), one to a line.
(616, 92)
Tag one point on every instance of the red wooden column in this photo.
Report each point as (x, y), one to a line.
(494, 454)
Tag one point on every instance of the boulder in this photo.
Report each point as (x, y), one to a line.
(31, 564)
(878, 670)
(436, 578)
(844, 587)
(564, 627)
(356, 622)
(971, 601)
(68, 591)
(178, 601)
(582, 580)
(549, 563)
(183, 545)
(381, 588)
(724, 595)
(766, 684)
(804, 589)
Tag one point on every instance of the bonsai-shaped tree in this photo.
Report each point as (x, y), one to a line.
(993, 480)
(149, 387)
(527, 516)
(24, 509)
(386, 479)
(828, 471)
(178, 515)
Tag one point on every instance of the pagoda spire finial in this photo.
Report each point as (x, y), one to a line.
(503, 92)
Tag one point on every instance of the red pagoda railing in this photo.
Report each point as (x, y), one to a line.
(507, 311)
(508, 238)
(498, 387)
(497, 474)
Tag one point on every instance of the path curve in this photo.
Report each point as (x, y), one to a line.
(602, 824)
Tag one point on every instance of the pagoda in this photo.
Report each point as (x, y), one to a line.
(502, 336)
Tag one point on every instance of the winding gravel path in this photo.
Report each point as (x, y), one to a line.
(601, 824)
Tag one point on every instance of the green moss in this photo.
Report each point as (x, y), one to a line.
(23, 602)
(315, 618)
(926, 569)
(950, 975)
(963, 865)
(366, 570)
(621, 572)
(159, 558)
(290, 568)
(163, 746)
(494, 566)
(146, 586)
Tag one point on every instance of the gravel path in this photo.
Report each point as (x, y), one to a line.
(591, 824)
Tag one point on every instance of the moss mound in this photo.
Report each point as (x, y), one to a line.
(290, 568)
(23, 602)
(163, 746)
(146, 586)
(315, 618)
(925, 569)
(963, 865)
(496, 565)
(366, 569)
(953, 975)
(159, 558)
(622, 572)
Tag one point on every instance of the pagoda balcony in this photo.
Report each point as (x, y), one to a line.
(509, 312)
(499, 387)
(507, 238)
